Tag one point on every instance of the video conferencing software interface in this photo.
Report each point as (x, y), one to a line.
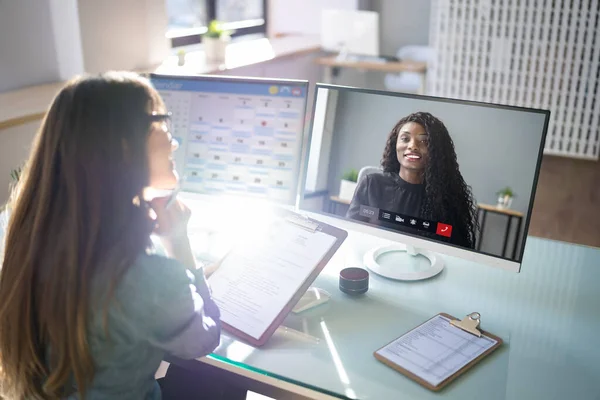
(426, 167)
(236, 136)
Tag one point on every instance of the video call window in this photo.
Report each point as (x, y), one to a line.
(425, 165)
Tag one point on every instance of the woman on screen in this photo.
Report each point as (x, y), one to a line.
(421, 179)
(88, 307)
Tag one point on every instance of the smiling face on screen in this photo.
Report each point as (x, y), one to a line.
(411, 148)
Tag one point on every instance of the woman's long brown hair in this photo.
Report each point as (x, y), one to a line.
(72, 225)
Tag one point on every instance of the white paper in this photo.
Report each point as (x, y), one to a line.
(256, 281)
(436, 350)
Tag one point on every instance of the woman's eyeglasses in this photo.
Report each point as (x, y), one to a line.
(166, 118)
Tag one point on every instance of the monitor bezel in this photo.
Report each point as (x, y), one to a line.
(413, 239)
(234, 78)
(258, 80)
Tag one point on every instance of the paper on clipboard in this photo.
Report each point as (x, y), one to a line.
(257, 279)
(436, 350)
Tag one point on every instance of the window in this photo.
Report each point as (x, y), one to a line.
(188, 19)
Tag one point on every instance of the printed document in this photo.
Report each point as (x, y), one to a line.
(256, 281)
(436, 350)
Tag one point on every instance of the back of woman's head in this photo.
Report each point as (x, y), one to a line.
(72, 217)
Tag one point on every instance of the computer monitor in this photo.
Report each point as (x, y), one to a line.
(430, 170)
(237, 136)
(350, 32)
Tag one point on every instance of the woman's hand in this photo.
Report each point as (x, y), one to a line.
(171, 227)
(171, 219)
(211, 268)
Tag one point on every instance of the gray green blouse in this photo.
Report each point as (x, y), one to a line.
(159, 307)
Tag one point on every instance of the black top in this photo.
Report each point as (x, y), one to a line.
(389, 192)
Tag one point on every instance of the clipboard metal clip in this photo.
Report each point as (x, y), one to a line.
(303, 222)
(469, 324)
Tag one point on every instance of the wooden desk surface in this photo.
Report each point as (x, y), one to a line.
(495, 209)
(338, 200)
(390, 66)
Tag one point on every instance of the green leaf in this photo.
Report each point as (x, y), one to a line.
(15, 174)
(215, 30)
(350, 175)
(507, 191)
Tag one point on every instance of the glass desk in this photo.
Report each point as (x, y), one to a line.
(547, 315)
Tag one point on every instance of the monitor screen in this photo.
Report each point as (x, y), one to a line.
(451, 173)
(237, 136)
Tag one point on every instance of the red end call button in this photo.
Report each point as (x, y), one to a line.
(444, 229)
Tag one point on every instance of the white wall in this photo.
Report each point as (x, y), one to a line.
(66, 37)
(402, 23)
(15, 145)
(43, 41)
(39, 42)
(123, 34)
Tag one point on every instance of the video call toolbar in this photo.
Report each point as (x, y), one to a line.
(407, 221)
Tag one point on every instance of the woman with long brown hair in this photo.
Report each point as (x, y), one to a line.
(87, 309)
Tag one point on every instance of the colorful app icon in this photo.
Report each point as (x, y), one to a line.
(273, 90)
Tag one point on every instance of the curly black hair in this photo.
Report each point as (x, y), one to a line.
(448, 198)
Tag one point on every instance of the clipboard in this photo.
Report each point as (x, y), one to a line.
(312, 226)
(470, 325)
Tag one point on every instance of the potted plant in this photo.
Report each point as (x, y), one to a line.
(348, 184)
(505, 197)
(15, 174)
(215, 41)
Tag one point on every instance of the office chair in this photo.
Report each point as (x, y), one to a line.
(364, 171)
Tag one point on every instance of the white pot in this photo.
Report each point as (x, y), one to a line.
(214, 48)
(180, 59)
(504, 201)
(347, 189)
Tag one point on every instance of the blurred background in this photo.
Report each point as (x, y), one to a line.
(500, 51)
